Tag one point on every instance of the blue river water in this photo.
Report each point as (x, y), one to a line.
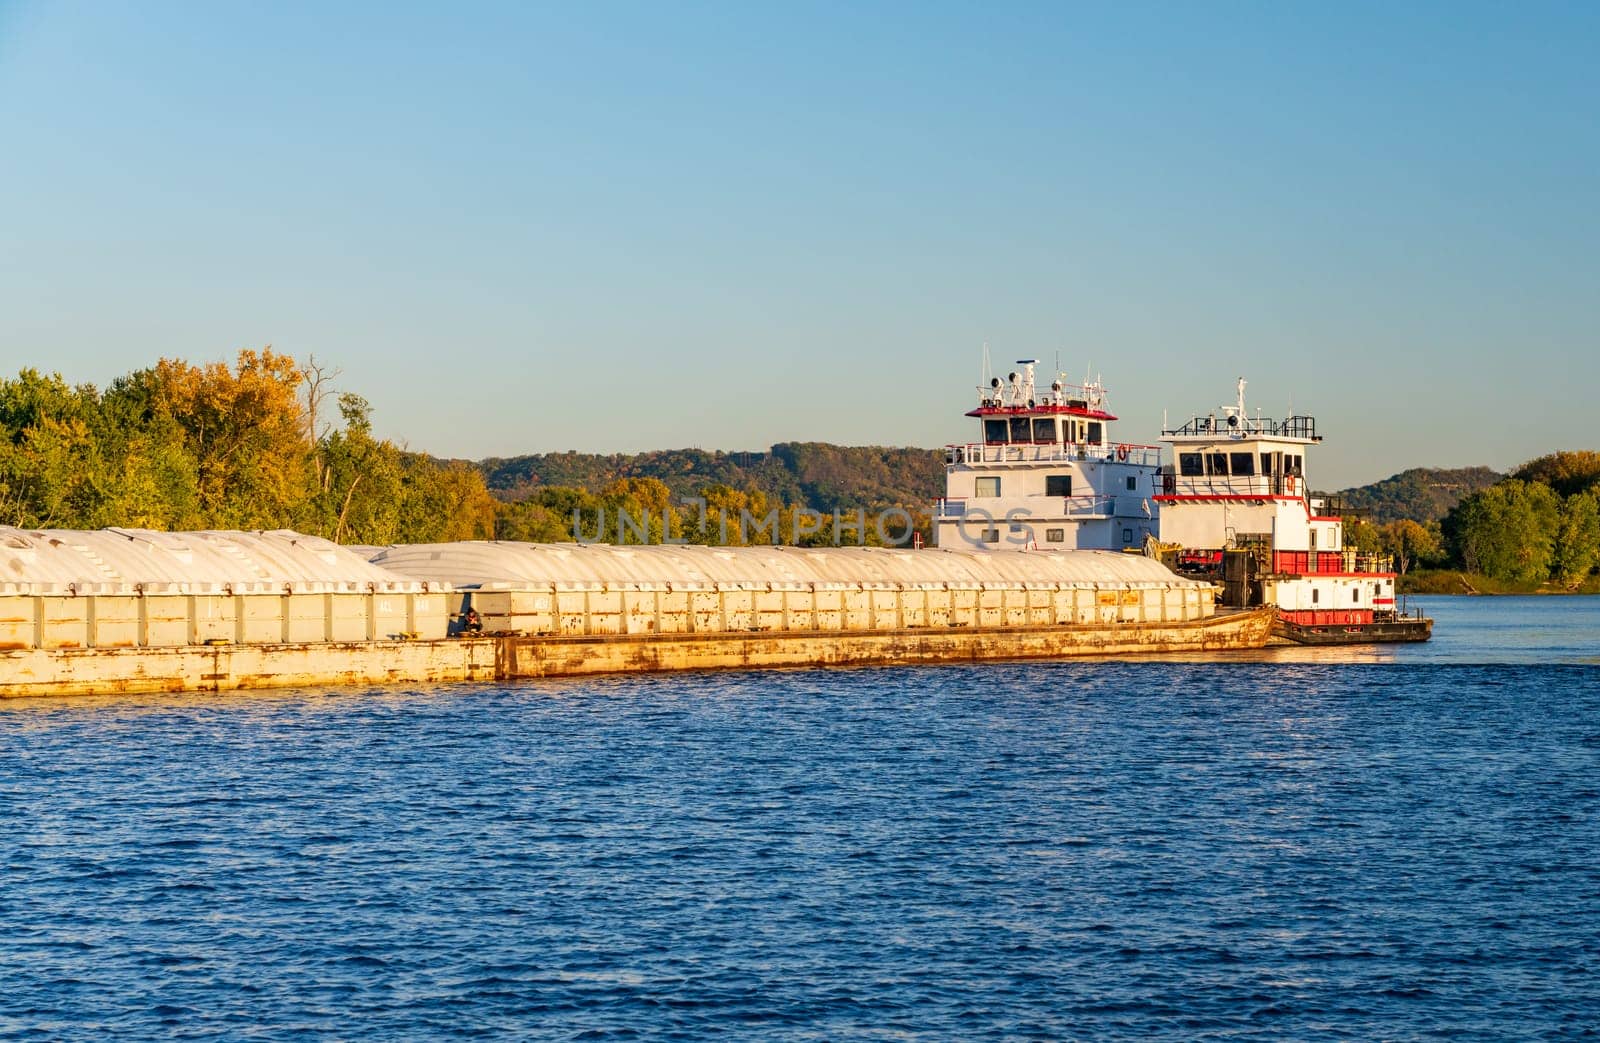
(1393, 844)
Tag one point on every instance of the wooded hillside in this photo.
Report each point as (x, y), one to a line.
(817, 475)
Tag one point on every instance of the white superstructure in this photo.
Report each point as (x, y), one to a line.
(1045, 473)
(1238, 484)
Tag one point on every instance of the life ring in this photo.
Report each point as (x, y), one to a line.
(1288, 484)
(1122, 452)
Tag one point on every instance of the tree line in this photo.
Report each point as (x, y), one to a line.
(268, 442)
(178, 446)
(1540, 524)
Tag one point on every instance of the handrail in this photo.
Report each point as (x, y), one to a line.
(1051, 452)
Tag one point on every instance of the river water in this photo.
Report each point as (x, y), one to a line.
(1397, 843)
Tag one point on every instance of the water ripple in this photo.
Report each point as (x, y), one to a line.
(1056, 851)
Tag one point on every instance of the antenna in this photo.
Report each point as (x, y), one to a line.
(983, 381)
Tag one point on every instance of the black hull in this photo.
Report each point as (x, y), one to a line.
(1388, 632)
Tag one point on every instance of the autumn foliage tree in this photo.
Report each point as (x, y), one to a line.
(244, 427)
(223, 446)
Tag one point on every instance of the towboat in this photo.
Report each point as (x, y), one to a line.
(1044, 472)
(1236, 507)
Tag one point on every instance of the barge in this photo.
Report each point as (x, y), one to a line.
(126, 610)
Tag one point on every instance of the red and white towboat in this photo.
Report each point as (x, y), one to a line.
(1236, 504)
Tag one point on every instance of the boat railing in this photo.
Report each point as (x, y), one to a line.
(1212, 425)
(1052, 452)
(1090, 506)
(1071, 507)
(1310, 563)
(1402, 610)
(1260, 485)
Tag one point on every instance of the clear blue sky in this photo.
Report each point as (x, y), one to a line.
(528, 228)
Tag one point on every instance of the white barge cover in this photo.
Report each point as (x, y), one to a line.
(127, 561)
(501, 565)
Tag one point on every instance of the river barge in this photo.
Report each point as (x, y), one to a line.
(126, 610)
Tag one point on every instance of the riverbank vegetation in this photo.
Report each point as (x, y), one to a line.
(269, 442)
(179, 446)
(1536, 530)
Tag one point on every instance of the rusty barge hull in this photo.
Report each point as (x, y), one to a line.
(570, 656)
(233, 667)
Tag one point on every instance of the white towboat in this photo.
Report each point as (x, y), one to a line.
(1236, 503)
(1045, 472)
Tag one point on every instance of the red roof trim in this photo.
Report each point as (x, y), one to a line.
(1335, 575)
(1049, 410)
(1170, 498)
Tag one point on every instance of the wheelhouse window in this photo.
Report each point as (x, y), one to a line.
(1217, 464)
(1058, 485)
(1094, 432)
(1021, 430)
(987, 487)
(1266, 463)
(1191, 465)
(994, 431)
(1243, 465)
(1044, 429)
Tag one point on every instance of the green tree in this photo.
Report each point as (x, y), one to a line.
(443, 502)
(1577, 541)
(1567, 472)
(50, 469)
(360, 498)
(1361, 535)
(1506, 532)
(529, 521)
(1410, 543)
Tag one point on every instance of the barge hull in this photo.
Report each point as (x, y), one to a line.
(230, 667)
(576, 656)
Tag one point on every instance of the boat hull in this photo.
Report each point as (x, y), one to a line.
(1394, 631)
(579, 655)
(231, 667)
